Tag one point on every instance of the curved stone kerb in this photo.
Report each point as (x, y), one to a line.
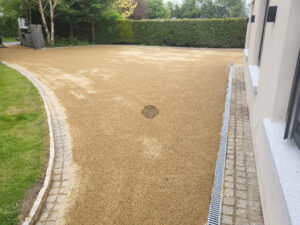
(51, 196)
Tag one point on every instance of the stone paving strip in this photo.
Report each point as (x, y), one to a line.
(50, 207)
(241, 199)
(52, 210)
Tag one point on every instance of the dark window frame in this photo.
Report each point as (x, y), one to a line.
(292, 130)
(261, 46)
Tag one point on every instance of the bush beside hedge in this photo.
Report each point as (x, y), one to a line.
(215, 33)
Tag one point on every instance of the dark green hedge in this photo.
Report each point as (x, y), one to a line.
(8, 27)
(216, 33)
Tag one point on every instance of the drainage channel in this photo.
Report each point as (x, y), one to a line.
(215, 208)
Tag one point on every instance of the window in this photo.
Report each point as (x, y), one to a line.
(293, 115)
(263, 33)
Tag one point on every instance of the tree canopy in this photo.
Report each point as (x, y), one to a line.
(125, 7)
(207, 9)
(73, 12)
(157, 9)
(141, 11)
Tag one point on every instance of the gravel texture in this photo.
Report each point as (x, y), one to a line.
(132, 169)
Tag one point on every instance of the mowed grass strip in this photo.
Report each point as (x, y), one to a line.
(9, 39)
(23, 142)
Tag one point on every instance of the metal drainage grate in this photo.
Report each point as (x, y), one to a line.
(215, 208)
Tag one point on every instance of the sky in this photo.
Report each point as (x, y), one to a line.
(174, 1)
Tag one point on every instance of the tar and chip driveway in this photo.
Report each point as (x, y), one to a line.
(135, 170)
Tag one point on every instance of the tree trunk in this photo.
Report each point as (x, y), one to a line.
(52, 26)
(93, 32)
(52, 22)
(71, 31)
(27, 16)
(44, 21)
(30, 16)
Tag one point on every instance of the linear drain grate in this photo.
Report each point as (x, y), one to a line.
(215, 207)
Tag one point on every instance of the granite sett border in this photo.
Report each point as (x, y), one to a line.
(37, 205)
(241, 198)
(59, 156)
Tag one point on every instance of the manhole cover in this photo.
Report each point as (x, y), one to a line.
(150, 111)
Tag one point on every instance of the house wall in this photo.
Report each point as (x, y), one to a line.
(251, 8)
(275, 77)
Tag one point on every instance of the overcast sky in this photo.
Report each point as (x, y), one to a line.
(174, 1)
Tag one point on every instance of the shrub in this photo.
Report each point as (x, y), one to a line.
(215, 33)
(62, 42)
(8, 27)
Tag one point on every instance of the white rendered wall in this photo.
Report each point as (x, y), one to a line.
(276, 73)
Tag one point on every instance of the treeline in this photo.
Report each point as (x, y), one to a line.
(207, 9)
(155, 9)
(71, 13)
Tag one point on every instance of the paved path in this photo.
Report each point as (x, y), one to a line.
(52, 210)
(11, 43)
(241, 202)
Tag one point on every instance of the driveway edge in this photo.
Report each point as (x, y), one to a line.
(40, 201)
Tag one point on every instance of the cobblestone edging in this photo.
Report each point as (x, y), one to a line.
(241, 199)
(49, 202)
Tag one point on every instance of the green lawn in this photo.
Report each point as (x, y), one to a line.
(9, 39)
(23, 141)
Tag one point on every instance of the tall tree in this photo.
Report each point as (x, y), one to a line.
(43, 6)
(176, 12)
(208, 9)
(12, 10)
(125, 7)
(87, 11)
(16, 8)
(237, 10)
(29, 6)
(157, 9)
(231, 8)
(171, 8)
(190, 9)
(92, 11)
(67, 13)
(141, 11)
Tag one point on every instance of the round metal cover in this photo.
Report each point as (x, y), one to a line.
(150, 111)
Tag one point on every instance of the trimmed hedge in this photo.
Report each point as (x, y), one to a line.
(214, 33)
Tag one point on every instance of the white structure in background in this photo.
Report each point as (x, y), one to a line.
(246, 7)
(22, 23)
(272, 75)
